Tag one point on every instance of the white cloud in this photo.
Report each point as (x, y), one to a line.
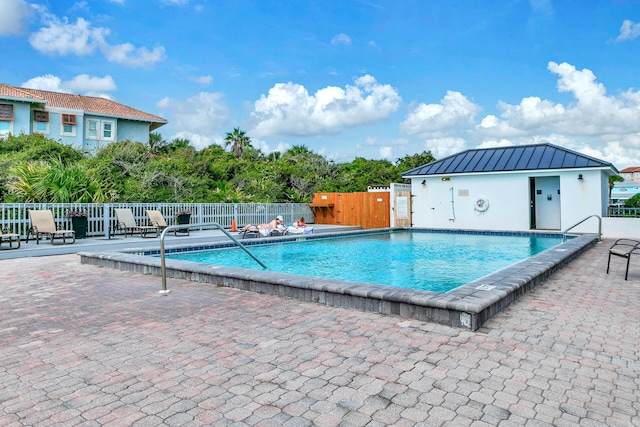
(59, 37)
(62, 38)
(385, 152)
(442, 147)
(494, 144)
(199, 117)
(594, 122)
(371, 140)
(453, 114)
(201, 80)
(128, 54)
(82, 83)
(80, 5)
(86, 83)
(46, 82)
(628, 31)
(289, 109)
(341, 39)
(264, 146)
(198, 141)
(15, 17)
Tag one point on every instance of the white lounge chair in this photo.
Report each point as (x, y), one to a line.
(42, 223)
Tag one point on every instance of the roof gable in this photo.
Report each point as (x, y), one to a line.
(509, 159)
(88, 104)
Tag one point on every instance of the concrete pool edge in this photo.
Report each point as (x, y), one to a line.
(468, 306)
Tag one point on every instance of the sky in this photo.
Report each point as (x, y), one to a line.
(379, 79)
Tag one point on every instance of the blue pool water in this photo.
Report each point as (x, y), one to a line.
(435, 262)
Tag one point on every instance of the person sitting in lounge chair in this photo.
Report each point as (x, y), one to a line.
(265, 229)
(300, 227)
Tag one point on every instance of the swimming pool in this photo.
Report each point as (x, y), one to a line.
(435, 262)
(467, 306)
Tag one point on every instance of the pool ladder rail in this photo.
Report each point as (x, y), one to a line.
(164, 290)
(566, 232)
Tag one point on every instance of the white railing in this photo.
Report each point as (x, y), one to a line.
(14, 217)
(622, 212)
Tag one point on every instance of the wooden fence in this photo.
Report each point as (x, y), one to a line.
(366, 209)
(14, 217)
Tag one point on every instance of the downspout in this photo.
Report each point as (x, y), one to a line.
(453, 208)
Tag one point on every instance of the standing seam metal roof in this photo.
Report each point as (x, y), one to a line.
(509, 159)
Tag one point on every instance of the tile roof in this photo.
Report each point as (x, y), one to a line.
(631, 169)
(508, 159)
(89, 104)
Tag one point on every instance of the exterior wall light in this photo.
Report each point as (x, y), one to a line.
(580, 177)
(424, 182)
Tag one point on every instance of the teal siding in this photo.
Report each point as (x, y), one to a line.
(133, 131)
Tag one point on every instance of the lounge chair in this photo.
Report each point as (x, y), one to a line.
(624, 248)
(264, 232)
(157, 220)
(12, 238)
(42, 222)
(127, 222)
(299, 230)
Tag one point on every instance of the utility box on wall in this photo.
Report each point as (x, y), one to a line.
(365, 209)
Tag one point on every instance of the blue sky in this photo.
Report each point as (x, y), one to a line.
(371, 78)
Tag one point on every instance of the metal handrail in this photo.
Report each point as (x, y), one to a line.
(564, 234)
(164, 290)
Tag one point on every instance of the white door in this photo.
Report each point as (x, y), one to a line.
(546, 202)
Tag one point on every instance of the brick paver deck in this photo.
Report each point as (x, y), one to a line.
(83, 345)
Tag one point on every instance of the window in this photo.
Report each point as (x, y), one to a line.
(6, 119)
(6, 112)
(636, 175)
(41, 116)
(101, 129)
(107, 131)
(92, 129)
(68, 124)
(68, 119)
(40, 121)
(5, 127)
(628, 176)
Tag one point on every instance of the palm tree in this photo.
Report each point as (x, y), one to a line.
(238, 140)
(612, 182)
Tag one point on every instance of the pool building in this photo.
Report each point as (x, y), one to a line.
(516, 188)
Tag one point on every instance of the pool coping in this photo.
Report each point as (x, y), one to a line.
(468, 306)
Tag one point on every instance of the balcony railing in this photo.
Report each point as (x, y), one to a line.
(622, 212)
(14, 217)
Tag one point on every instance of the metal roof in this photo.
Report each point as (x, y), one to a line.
(508, 159)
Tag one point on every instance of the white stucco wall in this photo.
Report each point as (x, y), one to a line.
(617, 228)
(508, 196)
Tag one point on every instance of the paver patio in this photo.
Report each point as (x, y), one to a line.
(83, 345)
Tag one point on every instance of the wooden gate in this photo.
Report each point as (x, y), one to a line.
(401, 205)
(368, 210)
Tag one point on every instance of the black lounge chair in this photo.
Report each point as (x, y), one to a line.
(624, 248)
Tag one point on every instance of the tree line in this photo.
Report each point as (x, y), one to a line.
(36, 169)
